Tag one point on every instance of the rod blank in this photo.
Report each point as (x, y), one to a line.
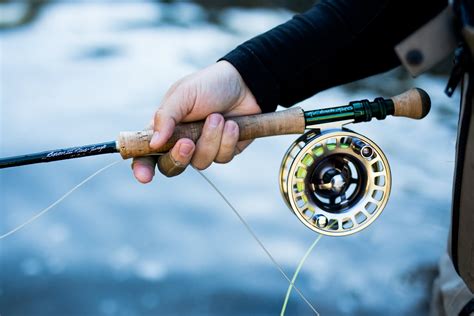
(59, 154)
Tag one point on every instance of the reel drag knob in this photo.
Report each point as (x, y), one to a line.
(336, 182)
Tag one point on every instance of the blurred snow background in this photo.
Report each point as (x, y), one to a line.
(80, 72)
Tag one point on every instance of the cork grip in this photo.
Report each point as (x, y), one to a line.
(414, 103)
(136, 144)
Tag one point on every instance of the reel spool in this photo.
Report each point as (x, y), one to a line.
(337, 182)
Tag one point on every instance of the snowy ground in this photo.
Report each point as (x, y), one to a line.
(82, 72)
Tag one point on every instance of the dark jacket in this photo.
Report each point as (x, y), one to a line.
(340, 41)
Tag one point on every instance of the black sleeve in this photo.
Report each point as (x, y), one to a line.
(335, 42)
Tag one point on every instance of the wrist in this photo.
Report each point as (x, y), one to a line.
(236, 85)
(235, 80)
(260, 82)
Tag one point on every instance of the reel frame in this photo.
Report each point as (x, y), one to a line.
(331, 205)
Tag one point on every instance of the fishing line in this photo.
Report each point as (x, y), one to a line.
(47, 209)
(297, 271)
(247, 226)
(250, 230)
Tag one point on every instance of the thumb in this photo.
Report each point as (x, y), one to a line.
(174, 108)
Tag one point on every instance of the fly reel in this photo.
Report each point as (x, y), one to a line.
(337, 182)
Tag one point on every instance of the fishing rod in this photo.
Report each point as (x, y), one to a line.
(334, 180)
(414, 103)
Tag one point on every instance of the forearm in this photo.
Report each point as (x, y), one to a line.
(333, 43)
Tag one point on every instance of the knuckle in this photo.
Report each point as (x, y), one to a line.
(200, 164)
(224, 159)
(183, 90)
(210, 136)
(226, 153)
(189, 94)
(227, 145)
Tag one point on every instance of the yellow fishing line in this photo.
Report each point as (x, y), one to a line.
(47, 209)
(250, 230)
(297, 271)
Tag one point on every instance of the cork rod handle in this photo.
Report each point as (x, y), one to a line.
(136, 144)
(414, 103)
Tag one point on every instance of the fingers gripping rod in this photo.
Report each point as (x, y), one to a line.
(414, 103)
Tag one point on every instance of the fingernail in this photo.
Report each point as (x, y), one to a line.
(231, 128)
(155, 139)
(214, 120)
(185, 149)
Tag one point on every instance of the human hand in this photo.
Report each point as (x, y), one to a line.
(213, 93)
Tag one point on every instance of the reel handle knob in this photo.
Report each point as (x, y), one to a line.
(292, 121)
(414, 103)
